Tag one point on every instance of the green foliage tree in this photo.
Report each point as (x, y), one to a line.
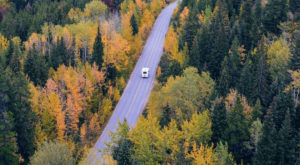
(8, 149)
(219, 39)
(223, 84)
(199, 54)
(219, 122)
(246, 23)
(58, 54)
(286, 144)
(266, 148)
(295, 60)
(19, 106)
(257, 111)
(237, 132)
(221, 155)
(190, 28)
(52, 153)
(255, 134)
(279, 106)
(165, 118)
(134, 25)
(120, 146)
(98, 53)
(36, 68)
(274, 13)
(294, 5)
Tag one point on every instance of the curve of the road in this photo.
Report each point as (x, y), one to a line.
(138, 89)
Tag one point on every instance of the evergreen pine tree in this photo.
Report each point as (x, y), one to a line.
(58, 52)
(14, 63)
(165, 117)
(256, 112)
(219, 39)
(134, 25)
(123, 151)
(246, 84)
(286, 143)
(262, 75)
(19, 106)
(111, 73)
(275, 12)
(36, 68)
(246, 22)
(295, 61)
(117, 3)
(98, 53)
(8, 149)
(62, 50)
(198, 56)
(237, 132)
(9, 53)
(189, 30)
(223, 84)
(294, 5)
(266, 149)
(219, 122)
(281, 103)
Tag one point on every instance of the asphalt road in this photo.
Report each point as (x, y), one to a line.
(138, 89)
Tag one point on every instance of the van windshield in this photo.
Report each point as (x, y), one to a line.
(145, 72)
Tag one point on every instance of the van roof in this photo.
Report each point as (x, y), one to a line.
(145, 69)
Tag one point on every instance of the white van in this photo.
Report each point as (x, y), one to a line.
(145, 72)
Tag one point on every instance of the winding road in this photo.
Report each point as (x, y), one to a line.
(138, 89)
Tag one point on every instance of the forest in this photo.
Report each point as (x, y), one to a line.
(226, 91)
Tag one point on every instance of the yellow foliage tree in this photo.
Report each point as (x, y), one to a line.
(3, 42)
(202, 155)
(171, 47)
(145, 137)
(198, 129)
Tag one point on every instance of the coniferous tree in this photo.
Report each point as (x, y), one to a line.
(165, 118)
(120, 145)
(111, 73)
(190, 28)
(198, 56)
(275, 12)
(122, 153)
(117, 3)
(262, 75)
(219, 39)
(9, 53)
(62, 50)
(297, 117)
(58, 53)
(295, 61)
(246, 84)
(219, 122)
(134, 25)
(256, 112)
(246, 22)
(19, 107)
(36, 68)
(98, 53)
(237, 132)
(281, 103)
(223, 84)
(266, 149)
(294, 5)
(286, 144)
(14, 63)
(8, 149)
